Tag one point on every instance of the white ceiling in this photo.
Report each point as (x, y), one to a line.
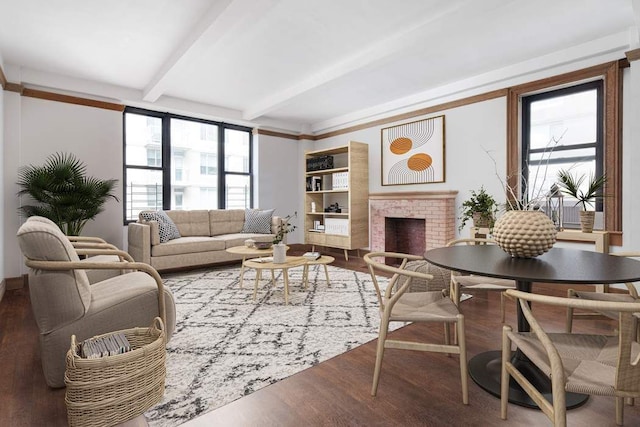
(300, 65)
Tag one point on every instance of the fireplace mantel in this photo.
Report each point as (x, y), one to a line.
(414, 195)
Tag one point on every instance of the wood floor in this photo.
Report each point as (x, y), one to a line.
(416, 389)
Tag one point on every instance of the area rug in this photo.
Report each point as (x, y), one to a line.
(226, 345)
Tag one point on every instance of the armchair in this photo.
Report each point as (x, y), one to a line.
(93, 249)
(65, 303)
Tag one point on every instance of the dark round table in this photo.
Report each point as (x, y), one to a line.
(559, 265)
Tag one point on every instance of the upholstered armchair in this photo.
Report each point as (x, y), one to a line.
(93, 249)
(64, 302)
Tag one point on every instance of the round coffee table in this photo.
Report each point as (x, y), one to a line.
(258, 265)
(247, 252)
(323, 260)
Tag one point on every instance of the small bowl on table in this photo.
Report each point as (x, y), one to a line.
(263, 245)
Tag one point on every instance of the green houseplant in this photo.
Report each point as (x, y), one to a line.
(63, 193)
(481, 208)
(284, 228)
(572, 186)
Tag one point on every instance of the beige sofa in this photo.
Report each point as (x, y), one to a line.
(205, 236)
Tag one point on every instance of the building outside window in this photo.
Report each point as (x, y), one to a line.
(207, 164)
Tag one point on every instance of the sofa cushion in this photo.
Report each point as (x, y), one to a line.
(224, 221)
(191, 223)
(257, 221)
(187, 245)
(166, 226)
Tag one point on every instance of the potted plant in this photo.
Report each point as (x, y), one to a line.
(63, 193)
(481, 208)
(572, 186)
(279, 248)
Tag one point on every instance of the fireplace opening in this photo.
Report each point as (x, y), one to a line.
(404, 235)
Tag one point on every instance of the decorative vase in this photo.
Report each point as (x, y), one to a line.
(587, 219)
(279, 253)
(524, 234)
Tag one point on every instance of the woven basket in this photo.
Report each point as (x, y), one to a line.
(113, 389)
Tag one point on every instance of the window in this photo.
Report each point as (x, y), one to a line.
(611, 76)
(190, 163)
(562, 129)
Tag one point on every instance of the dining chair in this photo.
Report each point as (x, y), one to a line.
(477, 282)
(630, 296)
(579, 363)
(396, 304)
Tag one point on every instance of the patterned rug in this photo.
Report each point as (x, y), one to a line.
(227, 346)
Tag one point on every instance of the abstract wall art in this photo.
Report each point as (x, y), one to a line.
(413, 153)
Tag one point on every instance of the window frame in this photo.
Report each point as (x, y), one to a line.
(611, 75)
(165, 168)
(598, 144)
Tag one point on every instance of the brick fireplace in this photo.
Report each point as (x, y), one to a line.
(437, 209)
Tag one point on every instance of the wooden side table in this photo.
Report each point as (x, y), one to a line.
(323, 260)
(256, 264)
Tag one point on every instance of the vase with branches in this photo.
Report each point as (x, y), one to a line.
(62, 192)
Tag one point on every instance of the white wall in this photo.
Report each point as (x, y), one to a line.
(469, 131)
(278, 179)
(93, 135)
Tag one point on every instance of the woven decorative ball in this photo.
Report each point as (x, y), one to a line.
(524, 234)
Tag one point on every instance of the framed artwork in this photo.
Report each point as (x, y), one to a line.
(413, 153)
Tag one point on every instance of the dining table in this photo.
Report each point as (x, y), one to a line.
(558, 265)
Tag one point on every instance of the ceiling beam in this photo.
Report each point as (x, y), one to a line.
(219, 22)
(367, 56)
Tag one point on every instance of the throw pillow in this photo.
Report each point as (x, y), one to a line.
(167, 228)
(257, 221)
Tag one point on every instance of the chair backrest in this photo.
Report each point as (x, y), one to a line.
(393, 292)
(472, 241)
(628, 369)
(57, 297)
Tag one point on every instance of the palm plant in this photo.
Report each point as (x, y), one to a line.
(63, 193)
(570, 185)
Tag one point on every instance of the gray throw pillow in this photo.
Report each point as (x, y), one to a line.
(167, 228)
(257, 221)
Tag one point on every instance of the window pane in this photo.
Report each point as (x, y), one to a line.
(208, 198)
(238, 191)
(144, 191)
(572, 119)
(236, 151)
(144, 140)
(194, 164)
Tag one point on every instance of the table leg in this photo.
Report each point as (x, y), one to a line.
(255, 287)
(285, 274)
(273, 278)
(305, 276)
(326, 274)
(242, 271)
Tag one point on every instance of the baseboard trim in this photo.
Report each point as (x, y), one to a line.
(13, 283)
